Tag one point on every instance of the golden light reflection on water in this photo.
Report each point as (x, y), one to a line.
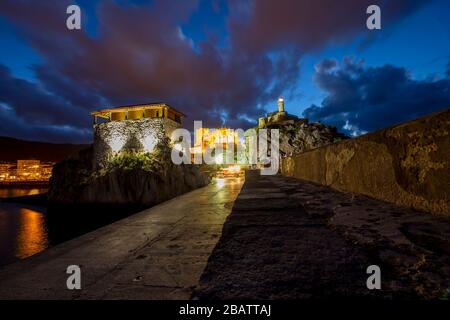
(32, 234)
(18, 192)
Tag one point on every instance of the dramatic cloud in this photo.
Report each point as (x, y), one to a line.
(16, 126)
(140, 54)
(34, 105)
(264, 25)
(361, 99)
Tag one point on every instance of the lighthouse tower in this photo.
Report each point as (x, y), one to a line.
(276, 117)
(280, 104)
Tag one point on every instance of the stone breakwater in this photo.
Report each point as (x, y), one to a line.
(290, 239)
(407, 164)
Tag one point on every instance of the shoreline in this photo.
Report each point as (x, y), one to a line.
(34, 199)
(24, 184)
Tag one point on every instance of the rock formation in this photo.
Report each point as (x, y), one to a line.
(139, 179)
(298, 135)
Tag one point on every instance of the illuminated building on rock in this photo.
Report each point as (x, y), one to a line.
(132, 128)
(223, 138)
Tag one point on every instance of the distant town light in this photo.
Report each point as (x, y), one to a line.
(236, 168)
(25, 171)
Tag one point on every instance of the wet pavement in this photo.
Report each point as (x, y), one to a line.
(270, 238)
(158, 253)
(290, 239)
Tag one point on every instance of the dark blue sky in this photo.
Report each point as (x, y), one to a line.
(223, 62)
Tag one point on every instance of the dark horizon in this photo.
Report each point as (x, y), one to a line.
(19, 149)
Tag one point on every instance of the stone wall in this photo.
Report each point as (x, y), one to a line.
(407, 164)
(142, 134)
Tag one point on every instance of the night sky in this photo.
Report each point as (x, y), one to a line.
(223, 62)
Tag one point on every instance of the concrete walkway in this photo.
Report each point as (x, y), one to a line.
(159, 253)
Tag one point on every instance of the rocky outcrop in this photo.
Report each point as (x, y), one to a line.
(298, 135)
(132, 179)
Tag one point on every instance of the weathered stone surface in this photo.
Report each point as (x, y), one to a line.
(140, 187)
(135, 187)
(137, 135)
(323, 246)
(407, 164)
(298, 135)
(74, 181)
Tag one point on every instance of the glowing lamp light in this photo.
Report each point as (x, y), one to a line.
(149, 143)
(235, 168)
(116, 144)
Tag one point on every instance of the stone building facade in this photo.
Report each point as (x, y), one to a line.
(132, 128)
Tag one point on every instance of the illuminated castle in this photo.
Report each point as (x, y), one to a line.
(212, 138)
(132, 128)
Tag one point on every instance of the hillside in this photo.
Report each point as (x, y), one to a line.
(13, 149)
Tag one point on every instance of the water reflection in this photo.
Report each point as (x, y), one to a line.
(26, 230)
(23, 231)
(19, 192)
(32, 234)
